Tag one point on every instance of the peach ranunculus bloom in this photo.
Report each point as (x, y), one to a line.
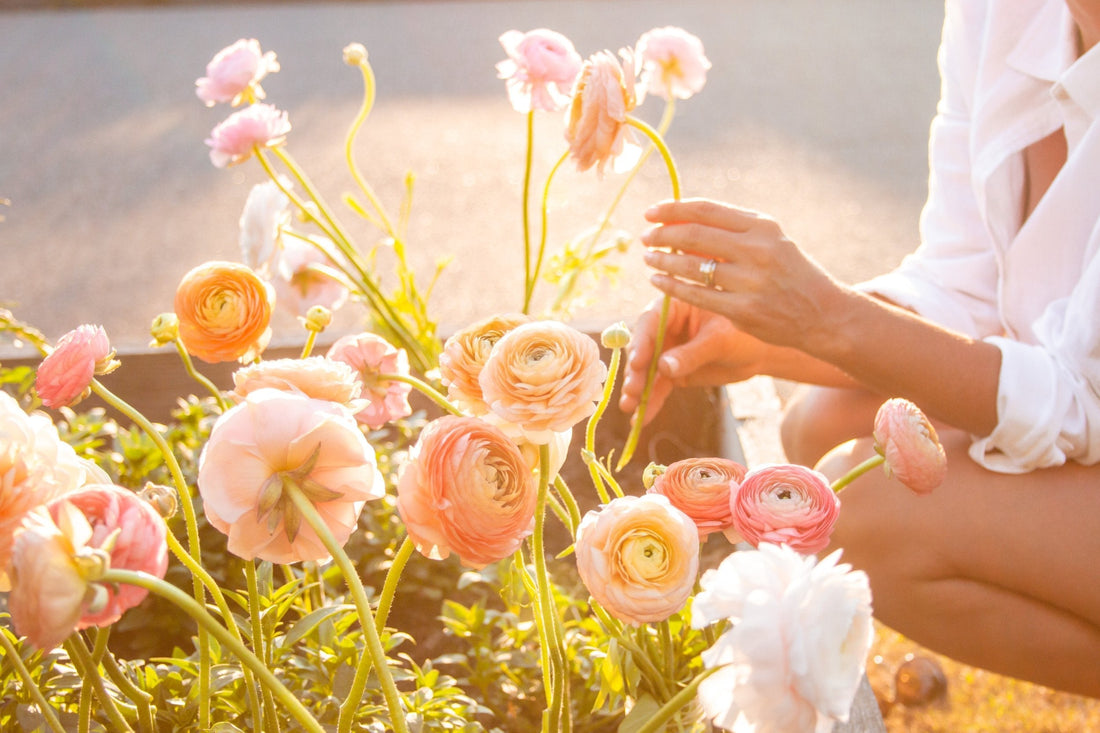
(543, 377)
(65, 376)
(315, 376)
(138, 542)
(639, 557)
(673, 63)
(372, 357)
(700, 488)
(235, 73)
(304, 277)
(224, 311)
(466, 489)
(604, 95)
(540, 69)
(271, 440)
(785, 504)
(258, 125)
(795, 652)
(464, 355)
(906, 438)
(266, 212)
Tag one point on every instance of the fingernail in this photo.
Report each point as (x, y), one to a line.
(671, 364)
(651, 211)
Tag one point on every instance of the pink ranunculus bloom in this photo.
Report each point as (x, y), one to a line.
(65, 376)
(540, 69)
(269, 441)
(139, 542)
(673, 63)
(468, 490)
(235, 73)
(905, 437)
(258, 125)
(796, 648)
(543, 377)
(597, 124)
(639, 557)
(372, 357)
(266, 211)
(785, 504)
(700, 488)
(315, 376)
(304, 277)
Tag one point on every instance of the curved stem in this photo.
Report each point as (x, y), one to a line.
(876, 460)
(554, 676)
(189, 365)
(260, 647)
(393, 576)
(570, 504)
(424, 388)
(140, 698)
(669, 710)
(369, 88)
(590, 429)
(74, 645)
(544, 217)
(10, 652)
(528, 281)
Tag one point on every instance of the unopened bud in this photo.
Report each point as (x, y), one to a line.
(616, 336)
(165, 329)
(355, 54)
(317, 318)
(650, 474)
(163, 498)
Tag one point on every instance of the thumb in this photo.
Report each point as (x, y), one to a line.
(681, 361)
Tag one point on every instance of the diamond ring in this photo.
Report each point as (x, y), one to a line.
(706, 269)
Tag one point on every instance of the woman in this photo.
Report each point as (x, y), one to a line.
(991, 327)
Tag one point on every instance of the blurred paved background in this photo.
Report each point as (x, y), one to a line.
(815, 110)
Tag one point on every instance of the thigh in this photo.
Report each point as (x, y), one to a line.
(817, 419)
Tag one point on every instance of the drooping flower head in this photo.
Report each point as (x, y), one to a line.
(796, 649)
(785, 504)
(906, 438)
(65, 376)
(235, 73)
(224, 312)
(543, 377)
(372, 357)
(700, 487)
(540, 69)
(603, 97)
(673, 63)
(315, 376)
(258, 125)
(464, 355)
(639, 557)
(266, 211)
(468, 490)
(274, 440)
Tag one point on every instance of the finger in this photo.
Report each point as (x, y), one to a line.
(711, 299)
(703, 211)
(686, 267)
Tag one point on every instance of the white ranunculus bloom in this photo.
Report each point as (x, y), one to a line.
(795, 653)
(266, 211)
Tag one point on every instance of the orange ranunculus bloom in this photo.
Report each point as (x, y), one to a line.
(700, 488)
(224, 310)
(464, 355)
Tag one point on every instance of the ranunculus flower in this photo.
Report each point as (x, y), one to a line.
(796, 649)
(65, 376)
(543, 377)
(785, 504)
(139, 542)
(604, 95)
(468, 490)
(224, 311)
(464, 355)
(559, 451)
(673, 62)
(700, 488)
(235, 73)
(258, 125)
(304, 276)
(638, 556)
(266, 211)
(315, 376)
(264, 444)
(540, 69)
(905, 437)
(372, 357)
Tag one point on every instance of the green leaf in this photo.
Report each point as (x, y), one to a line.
(309, 622)
(644, 709)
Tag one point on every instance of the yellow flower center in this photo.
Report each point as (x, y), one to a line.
(643, 556)
(221, 310)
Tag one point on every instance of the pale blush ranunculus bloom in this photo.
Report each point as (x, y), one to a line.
(466, 489)
(274, 438)
(315, 376)
(905, 437)
(673, 63)
(139, 542)
(700, 488)
(639, 557)
(65, 376)
(464, 355)
(304, 277)
(235, 73)
(785, 504)
(372, 357)
(543, 377)
(596, 128)
(266, 211)
(540, 69)
(258, 125)
(558, 450)
(224, 311)
(796, 649)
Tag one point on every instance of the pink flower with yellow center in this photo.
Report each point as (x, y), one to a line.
(785, 504)
(65, 376)
(673, 63)
(372, 357)
(540, 69)
(235, 73)
(256, 126)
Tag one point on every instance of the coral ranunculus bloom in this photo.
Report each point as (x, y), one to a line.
(258, 125)
(464, 355)
(540, 69)
(235, 73)
(466, 489)
(604, 95)
(700, 488)
(65, 376)
(224, 312)
(910, 445)
(673, 63)
(372, 357)
(785, 504)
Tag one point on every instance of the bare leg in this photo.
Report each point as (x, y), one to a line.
(817, 419)
(993, 570)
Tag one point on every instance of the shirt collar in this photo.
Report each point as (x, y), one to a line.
(1048, 45)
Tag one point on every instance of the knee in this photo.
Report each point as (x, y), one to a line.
(817, 419)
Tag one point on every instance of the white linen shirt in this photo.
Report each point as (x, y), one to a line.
(1010, 77)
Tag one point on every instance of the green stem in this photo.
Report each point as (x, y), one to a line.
(189, 365)
(195, 610)
(528, 281)
(433, 394)
(876, 460)
(554, 677)
(393, 576)
(544, 217)
(74, 645)
(261, 648)
(570, 504)
(669, 710)
(532, 589)
(369, 90)
(311, 339)
(139, 697)
(11, 653)
(590, 429)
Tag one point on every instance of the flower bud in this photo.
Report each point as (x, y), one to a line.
(616, 336)
(163, 498)
(650, 474)
(355, 54)
(165, 329)
(317, 318)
